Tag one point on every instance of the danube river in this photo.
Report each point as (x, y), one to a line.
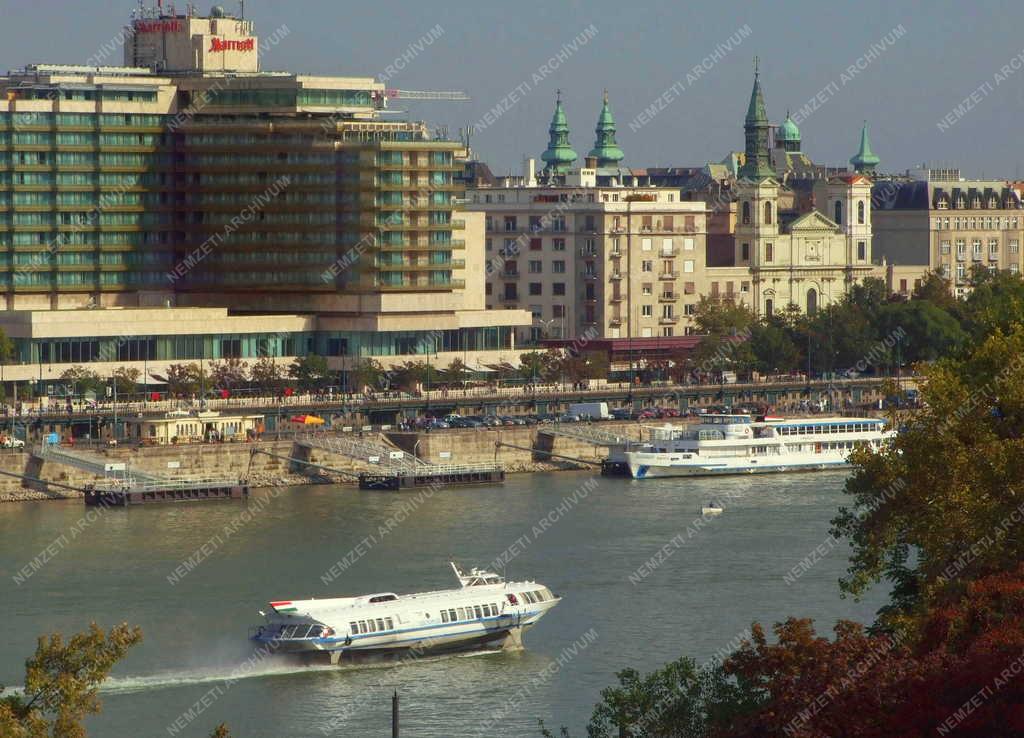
(191, 671)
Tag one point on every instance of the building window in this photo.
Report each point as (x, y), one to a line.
(839, 212)
(746, 213)
(1014, 268)
(647, 266)
(993, 248)
(510, 222)
(558, 288)
(769, 307)
(812, 301)
(489, 244)
(647, 289)
(558, 311)
(535, 288)
(667, 330)
(768, 213)
(535, 244)
(961, 249)
(744, 288)
(558, 267)
(769, 253)
(976, 249)
(647, 311)
(645, 244)
(961, 271)
(1014, 246)
(687, 266)
(862, 250)
(945, 247)
(536, 266)
(745, 252)
(689, 309)
(860, 212)
(558, 244)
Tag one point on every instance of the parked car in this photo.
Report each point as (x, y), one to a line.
(624, 413)
(668, 412)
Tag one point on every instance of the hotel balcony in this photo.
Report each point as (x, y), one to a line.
(615, 276)
(668, 275)
(510, 274)
(668, 297)
(669, 252)
(668, 320)
(616, 298)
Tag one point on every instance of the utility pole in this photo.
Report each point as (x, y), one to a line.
(394, 715)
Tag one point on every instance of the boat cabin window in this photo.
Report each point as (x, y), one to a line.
(383, 598)
(478, 611)
(390, 623)
(462, 613)
(380, 623)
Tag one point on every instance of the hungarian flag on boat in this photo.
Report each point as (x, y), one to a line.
(284, 606)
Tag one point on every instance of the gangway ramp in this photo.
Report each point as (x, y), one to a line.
(588, 434)
(101, 466)
(362, 449)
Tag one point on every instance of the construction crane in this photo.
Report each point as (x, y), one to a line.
(381, 98)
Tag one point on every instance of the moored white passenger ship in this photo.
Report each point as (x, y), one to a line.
(484, 612)
(738, 444)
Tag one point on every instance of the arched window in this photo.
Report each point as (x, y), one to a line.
(839, 212)
(812, 300)
(746, 213)
(769, 308)
(768, 213)
(860, 212)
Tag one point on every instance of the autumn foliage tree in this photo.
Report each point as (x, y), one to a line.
(62, 682)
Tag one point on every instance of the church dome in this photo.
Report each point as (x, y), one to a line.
(788, 131)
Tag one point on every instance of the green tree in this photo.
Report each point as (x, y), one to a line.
(83, 380)
(995, 302)
(922, 331)
(127, 379)
(267, 375)
(581, 365)
(62, 682)
(937, 290)
(913, 516)
(456, 374)
(721, 316)
(6, 348)
(229, 373)
(773, 349)
(679, 700)
(185, 379)
(364, 373)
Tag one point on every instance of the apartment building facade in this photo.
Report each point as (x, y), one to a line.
(586, 260)
(949, 227)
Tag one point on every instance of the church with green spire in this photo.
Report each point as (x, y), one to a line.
(606, 150)
(756, 128)
(802, 232)
(865, 161)
(559, 156)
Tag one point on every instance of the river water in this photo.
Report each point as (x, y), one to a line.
(195, 668)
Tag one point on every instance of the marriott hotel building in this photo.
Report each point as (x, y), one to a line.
(189, 206)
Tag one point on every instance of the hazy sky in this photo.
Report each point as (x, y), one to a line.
(638, 51)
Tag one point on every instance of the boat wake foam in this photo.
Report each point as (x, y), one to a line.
(189, 678)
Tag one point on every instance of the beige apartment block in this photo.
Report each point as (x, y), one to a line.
(949, 227)
(618, 261)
